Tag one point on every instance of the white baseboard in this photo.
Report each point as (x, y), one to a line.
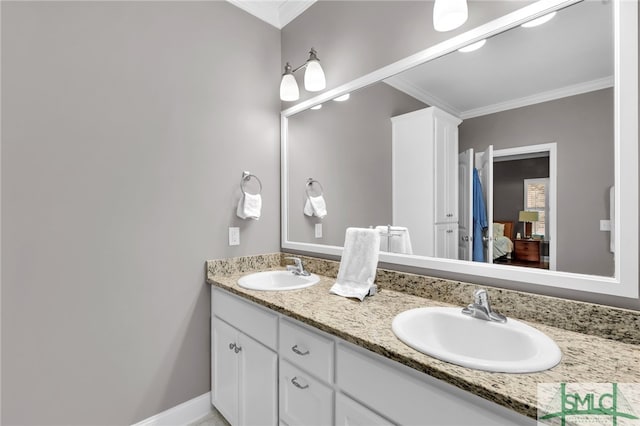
(182, 414)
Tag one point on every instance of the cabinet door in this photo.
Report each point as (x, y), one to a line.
(446, 240)
(258, 383)
(303, 399)
(224, 369)
(446, 170)
(350, 413)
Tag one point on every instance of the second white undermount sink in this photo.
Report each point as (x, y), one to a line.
(277, 280)
(450, 335)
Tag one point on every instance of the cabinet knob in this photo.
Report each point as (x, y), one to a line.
(298, 351)
(237, 349)
(298, 385)
(449, 231)
(232, 346)
(449, 214)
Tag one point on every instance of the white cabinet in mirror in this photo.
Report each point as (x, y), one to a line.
(548, 119)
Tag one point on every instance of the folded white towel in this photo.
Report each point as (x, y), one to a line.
(398, 242)
(249, 206)
(358, 264)
(315, 206)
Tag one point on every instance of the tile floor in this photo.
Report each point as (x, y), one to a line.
(213, 419)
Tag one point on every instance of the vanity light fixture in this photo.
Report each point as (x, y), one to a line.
(449, 14)
(473, 46)
(314, 79)
(539, 21)
(319, 106)
(343, 98)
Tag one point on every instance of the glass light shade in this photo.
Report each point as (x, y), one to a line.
(314, 80)
(343, 98)
(289, 88)
(449, 14)
(539, 21)
(317, 107)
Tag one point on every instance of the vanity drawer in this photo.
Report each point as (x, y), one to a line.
(307, 349)
(303, 399)
(405, 396)
(253, 320)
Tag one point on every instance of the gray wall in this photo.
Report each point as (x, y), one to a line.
(582, 128)
(346, 146)
(125, 129)
(355, 38)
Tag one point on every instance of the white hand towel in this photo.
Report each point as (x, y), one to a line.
(315, 206)
(249, 206)
(358, 264)
(398, 242)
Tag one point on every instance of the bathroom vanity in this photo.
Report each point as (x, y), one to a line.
(308, 357)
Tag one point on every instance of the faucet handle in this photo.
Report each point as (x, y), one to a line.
(296, 260)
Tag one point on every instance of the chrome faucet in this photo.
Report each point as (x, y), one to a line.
(297, 268)
(481, 308)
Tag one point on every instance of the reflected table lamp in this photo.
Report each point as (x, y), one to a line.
(527, 217)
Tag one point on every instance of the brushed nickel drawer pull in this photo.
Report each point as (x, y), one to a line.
(298, 351)
(298, 385)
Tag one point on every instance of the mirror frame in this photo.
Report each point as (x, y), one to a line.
(625, 280)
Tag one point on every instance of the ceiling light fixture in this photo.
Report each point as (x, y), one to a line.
(539, 21)
(343, 98)
(449, 14)
(319, 106)
(473, 46)
(314, 79)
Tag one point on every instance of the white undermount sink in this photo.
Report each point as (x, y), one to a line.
(450, 335)
(277, 280)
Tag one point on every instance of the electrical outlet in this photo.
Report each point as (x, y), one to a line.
(605, 225)
(318, 230)
(234, 236)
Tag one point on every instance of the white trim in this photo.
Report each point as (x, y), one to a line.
(625, 281)
(404, 85)
(563, 92)
(276, 13)
(552, 214)
(291, 9)
(182, 414)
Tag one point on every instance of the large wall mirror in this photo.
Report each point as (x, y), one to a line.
(509, 151)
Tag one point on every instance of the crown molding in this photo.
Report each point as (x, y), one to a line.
(563, 92)
(277, 13)
(404, 85)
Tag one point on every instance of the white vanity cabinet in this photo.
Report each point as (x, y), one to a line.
(425, 177)
(303, 376)
(406, 397)
(244, 364)
(351, 413)
(306, 375)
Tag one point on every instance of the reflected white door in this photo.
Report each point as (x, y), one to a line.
(465, 204)
(484, 164)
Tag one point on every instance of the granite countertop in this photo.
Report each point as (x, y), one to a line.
(585, 358)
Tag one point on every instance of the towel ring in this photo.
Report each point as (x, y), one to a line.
(246, 177)
(309, 186)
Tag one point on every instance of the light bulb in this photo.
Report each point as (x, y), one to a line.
(539, 21)
(449, 14)
(343, 98)
(314, 80)
(289, 88)
(473, 46)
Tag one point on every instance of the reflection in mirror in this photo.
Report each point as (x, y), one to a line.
(565, 108)
(402, 152)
